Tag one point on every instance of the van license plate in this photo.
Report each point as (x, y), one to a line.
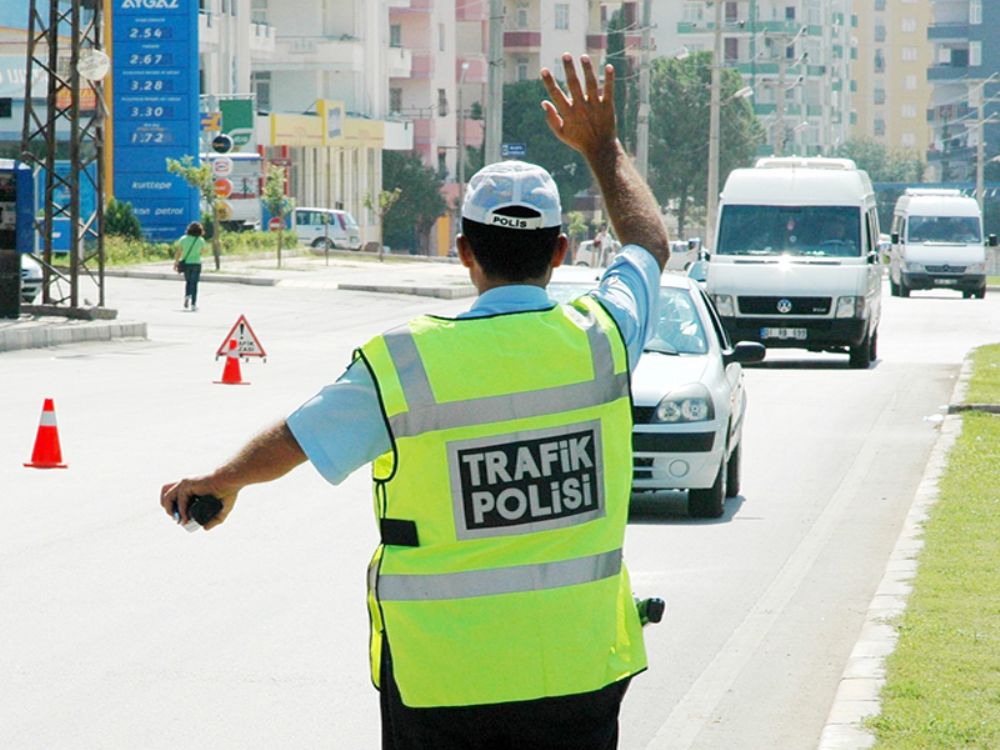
(947, 282)
(783, 333)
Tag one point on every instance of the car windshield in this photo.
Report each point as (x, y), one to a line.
(959, 230)
(678, 328)
(790, 230)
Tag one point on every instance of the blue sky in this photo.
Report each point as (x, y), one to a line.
(14, 13)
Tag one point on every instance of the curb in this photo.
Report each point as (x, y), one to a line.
(212, 279)
(442, 292)
(859, 692)
(36, 337)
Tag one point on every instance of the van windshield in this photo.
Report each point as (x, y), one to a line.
(959, 230)
(790, 230)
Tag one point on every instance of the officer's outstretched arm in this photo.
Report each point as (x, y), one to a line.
(271, 454)
(585, 121)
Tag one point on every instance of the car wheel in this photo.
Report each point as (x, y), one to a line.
(893, 287)
(904, 290)
(981, 294)
(710, 503)
(322, 244)
(873, 347)
(582, 263)
(733, 472)
(859, 355)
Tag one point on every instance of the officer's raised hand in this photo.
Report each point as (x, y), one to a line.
(584, 117)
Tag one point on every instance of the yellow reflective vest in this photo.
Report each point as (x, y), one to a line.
(502, 507)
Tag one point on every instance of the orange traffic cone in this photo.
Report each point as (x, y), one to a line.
(47, 453)
(231, 372)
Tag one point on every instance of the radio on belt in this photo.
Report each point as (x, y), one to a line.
(201, 510)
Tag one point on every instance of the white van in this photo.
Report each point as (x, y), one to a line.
(937, 241)
(326, 228)
(795, 262)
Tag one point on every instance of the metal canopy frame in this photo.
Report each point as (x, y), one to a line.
(75, 107)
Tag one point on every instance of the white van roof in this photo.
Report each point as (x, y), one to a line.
(937, 203)
(932, 191)
(792, 185)
(804, 162)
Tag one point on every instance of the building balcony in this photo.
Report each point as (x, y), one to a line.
(422, 66)
(473, 10)
(474, 131)
(262, 39)
(310, 52)
(597, 42)
(948, 32)
(424, 131)
(208, 31)
(403, 7)
(522, 41)
(477, 72)
(950, 72)
(400, 62)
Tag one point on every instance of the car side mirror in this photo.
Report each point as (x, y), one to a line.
(993, 240)
(699, 271)
(894, 238)
(745, 352)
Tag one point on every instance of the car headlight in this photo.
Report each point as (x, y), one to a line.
(724, 305)
(850, 307)
(976, 268)
(914, 267)
(692, 403)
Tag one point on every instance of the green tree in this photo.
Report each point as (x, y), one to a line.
(201, 178)
(120, 220)
(883, 165)
(409, 220)
(524, 122)
(678, 131)
(381, 206)
(273, 196)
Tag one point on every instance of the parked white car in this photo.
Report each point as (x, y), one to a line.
(689, 398)
(326, 228)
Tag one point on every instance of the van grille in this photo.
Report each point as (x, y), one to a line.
(945, 269)
(799, 305)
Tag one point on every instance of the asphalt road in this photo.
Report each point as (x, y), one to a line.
(123, 631)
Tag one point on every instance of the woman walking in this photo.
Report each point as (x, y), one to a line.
(187, 260)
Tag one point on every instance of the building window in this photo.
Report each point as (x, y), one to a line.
(879, 33)
(693, 11)
(562, 16)
(975, 12)
(522, 16)
(908, 54)
(910, 83)
(395, 100)
(908, 111)
(441, 37)
(395, 35)
(879, 62)
(442, 164)
(909, 25)
(879, 126)
(732, 49)
(258, 11)
(442, 106)
(260, 85)
(789, 12)
(908, 140)
(975, 53)
(732, 12)
(879, 4)
(880, 96)
(522, 69)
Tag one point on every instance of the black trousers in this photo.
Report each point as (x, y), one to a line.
(192, 272)
(587, 721)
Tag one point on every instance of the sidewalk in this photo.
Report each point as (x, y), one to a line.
(443, 278)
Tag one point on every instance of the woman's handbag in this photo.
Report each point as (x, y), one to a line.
(179, 266)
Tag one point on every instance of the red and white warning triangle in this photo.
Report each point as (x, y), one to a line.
(247, 343)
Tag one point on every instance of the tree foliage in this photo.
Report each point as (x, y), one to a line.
(679, 120)
(410, 218)
(200, 177)
(882, 164)
(274, 198)
(524, 122)
(120, 220)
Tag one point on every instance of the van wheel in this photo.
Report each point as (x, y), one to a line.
(904, 290)
(324, 244)
(859, 355)
(873, 347)
(710, 503)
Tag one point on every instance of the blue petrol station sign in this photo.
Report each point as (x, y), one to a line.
(155, 64)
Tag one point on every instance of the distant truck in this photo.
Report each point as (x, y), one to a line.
(241, 209)
(937, 242)
(796, 260)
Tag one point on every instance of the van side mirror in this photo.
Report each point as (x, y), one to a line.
(894, 238)
(692, 244)
(993, 240)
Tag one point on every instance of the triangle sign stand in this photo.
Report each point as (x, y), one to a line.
(247, 343)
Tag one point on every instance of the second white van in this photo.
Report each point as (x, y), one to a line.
(937, 242)
(795, 261)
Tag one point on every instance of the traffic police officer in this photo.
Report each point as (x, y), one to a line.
(501, 610)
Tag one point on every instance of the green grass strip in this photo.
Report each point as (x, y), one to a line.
(943, 680)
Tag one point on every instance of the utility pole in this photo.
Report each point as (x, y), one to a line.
(981, 121)
(494, 84)
(642, 126)
(715, 104)
(779, 105)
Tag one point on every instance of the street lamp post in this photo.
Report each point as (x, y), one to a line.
(715, 103)
(461, 138)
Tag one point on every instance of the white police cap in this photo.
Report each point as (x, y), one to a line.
(506, 184)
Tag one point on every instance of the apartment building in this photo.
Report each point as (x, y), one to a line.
(893, 57)
(538, 32)
(964, 75)
(794, 54)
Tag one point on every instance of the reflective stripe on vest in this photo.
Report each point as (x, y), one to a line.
(494, 581)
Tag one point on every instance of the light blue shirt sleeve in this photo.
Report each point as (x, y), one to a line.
(341, 428)
(630, 291)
